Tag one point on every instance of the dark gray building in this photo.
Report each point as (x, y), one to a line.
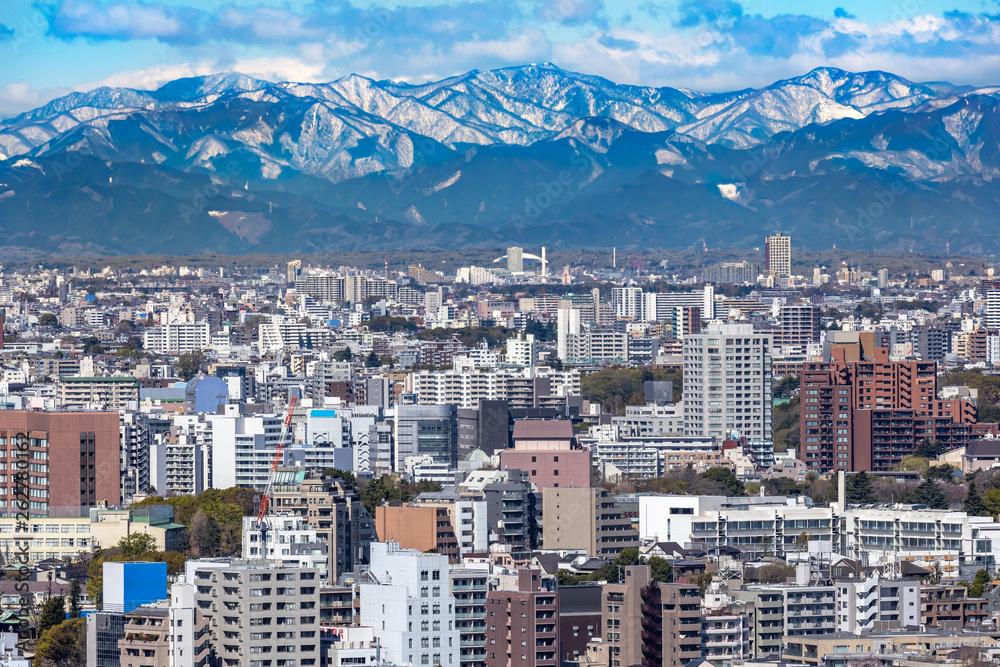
(427, 429)
(487, 427)
(931, 343)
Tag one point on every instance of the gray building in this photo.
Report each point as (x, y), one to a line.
(427, 429)
(487, 427)
(727, 382)
(260, 614)
(470, 586)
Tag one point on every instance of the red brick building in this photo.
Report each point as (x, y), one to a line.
(860, 411)
(548, 451)
(72, 461)
(522, 626)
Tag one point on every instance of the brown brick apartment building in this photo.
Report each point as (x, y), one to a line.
(860, 411)
(72, 460)
(522, 626)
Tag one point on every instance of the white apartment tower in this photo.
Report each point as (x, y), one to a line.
(727, 382)
(515, 260)
(409, 602)
(778, 255)
(567, 324)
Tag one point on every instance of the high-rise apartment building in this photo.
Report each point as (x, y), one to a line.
(567, 324)
(515, 260)
(522, 624)
(861, 411)
(798, 326)
(70, 461)
(727, 382)
(408, 600)
(651, 623)
(260, 613)
(778, 255)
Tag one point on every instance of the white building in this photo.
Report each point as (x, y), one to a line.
(177, 338)
(522, 351)
(862, 603)
(243, 449)
(567, 324)
(409, 602)
(290, 540)
(185, 622)
(727, 382)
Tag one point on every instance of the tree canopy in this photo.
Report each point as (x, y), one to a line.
(63, 645)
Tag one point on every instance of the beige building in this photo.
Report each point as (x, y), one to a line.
(147, 638)
(585, 518)
(68, 537)
(930, 643)
(112, 392)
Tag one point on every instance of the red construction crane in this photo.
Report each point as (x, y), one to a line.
(990, 278)
(263, 517)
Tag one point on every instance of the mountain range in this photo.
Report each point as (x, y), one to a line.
(531, 155)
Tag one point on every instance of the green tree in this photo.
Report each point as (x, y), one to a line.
(372, 360)
(63, 645)
(786, 386)
(944, 472)
(48, 320)
(927, 493)
(929, 449)
(702, 581)
(913, 463)
(974, 504)
(189, 363)
(660, 569)
(53, 613)
(629, 556)
(136, 545)
(346, 476)
(343, 355)
(992, 499)
(978, 586)
(74, 598)
(859, 489)
(726, 478)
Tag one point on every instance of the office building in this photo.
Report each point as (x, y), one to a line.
(727, 382)
(430, 430)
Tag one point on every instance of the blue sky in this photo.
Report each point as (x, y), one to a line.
(52, 47)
